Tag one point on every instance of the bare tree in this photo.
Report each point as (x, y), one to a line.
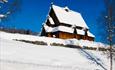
(8, 8)
(110, 19)
(107, 19)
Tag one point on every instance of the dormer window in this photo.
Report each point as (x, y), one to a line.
(66, 9)
(85, 29)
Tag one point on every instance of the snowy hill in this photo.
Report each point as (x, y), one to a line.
(15, 55)
(16, 36)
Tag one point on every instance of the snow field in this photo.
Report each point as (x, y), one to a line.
(15, 55)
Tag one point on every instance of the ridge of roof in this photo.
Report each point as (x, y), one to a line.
(69, 17)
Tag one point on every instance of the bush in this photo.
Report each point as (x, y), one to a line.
(57, 44)
(72, 46)
(68, 45)
(39, 43)
(33, 42)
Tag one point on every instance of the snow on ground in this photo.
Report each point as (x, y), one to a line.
(23, 56)
(11, 36)
(15, 55)
(87, 43)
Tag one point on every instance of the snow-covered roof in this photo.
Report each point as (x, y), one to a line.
(81, 32)
(66, 29)
(59, 28)
(51, 20)
(67, 16)
(90, 34)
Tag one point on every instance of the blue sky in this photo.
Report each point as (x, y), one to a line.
(32, 13)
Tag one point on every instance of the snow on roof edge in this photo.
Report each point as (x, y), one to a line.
(66, 29)
(59, 28)
(90, 34)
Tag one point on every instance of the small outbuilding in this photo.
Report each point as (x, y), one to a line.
(65, 24)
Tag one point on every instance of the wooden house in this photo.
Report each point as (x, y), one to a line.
(65, 24)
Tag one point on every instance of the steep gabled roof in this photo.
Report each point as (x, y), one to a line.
(64, 15)
(70, 17)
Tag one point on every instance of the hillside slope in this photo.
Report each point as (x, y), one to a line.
(16, 55)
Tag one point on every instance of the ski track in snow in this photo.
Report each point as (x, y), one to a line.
(93, 58)
(24, 56)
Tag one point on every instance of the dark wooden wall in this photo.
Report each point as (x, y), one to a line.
(64, 35)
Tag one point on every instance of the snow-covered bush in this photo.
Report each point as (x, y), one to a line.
(72, 43)
(33, 42)
(57, 44)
